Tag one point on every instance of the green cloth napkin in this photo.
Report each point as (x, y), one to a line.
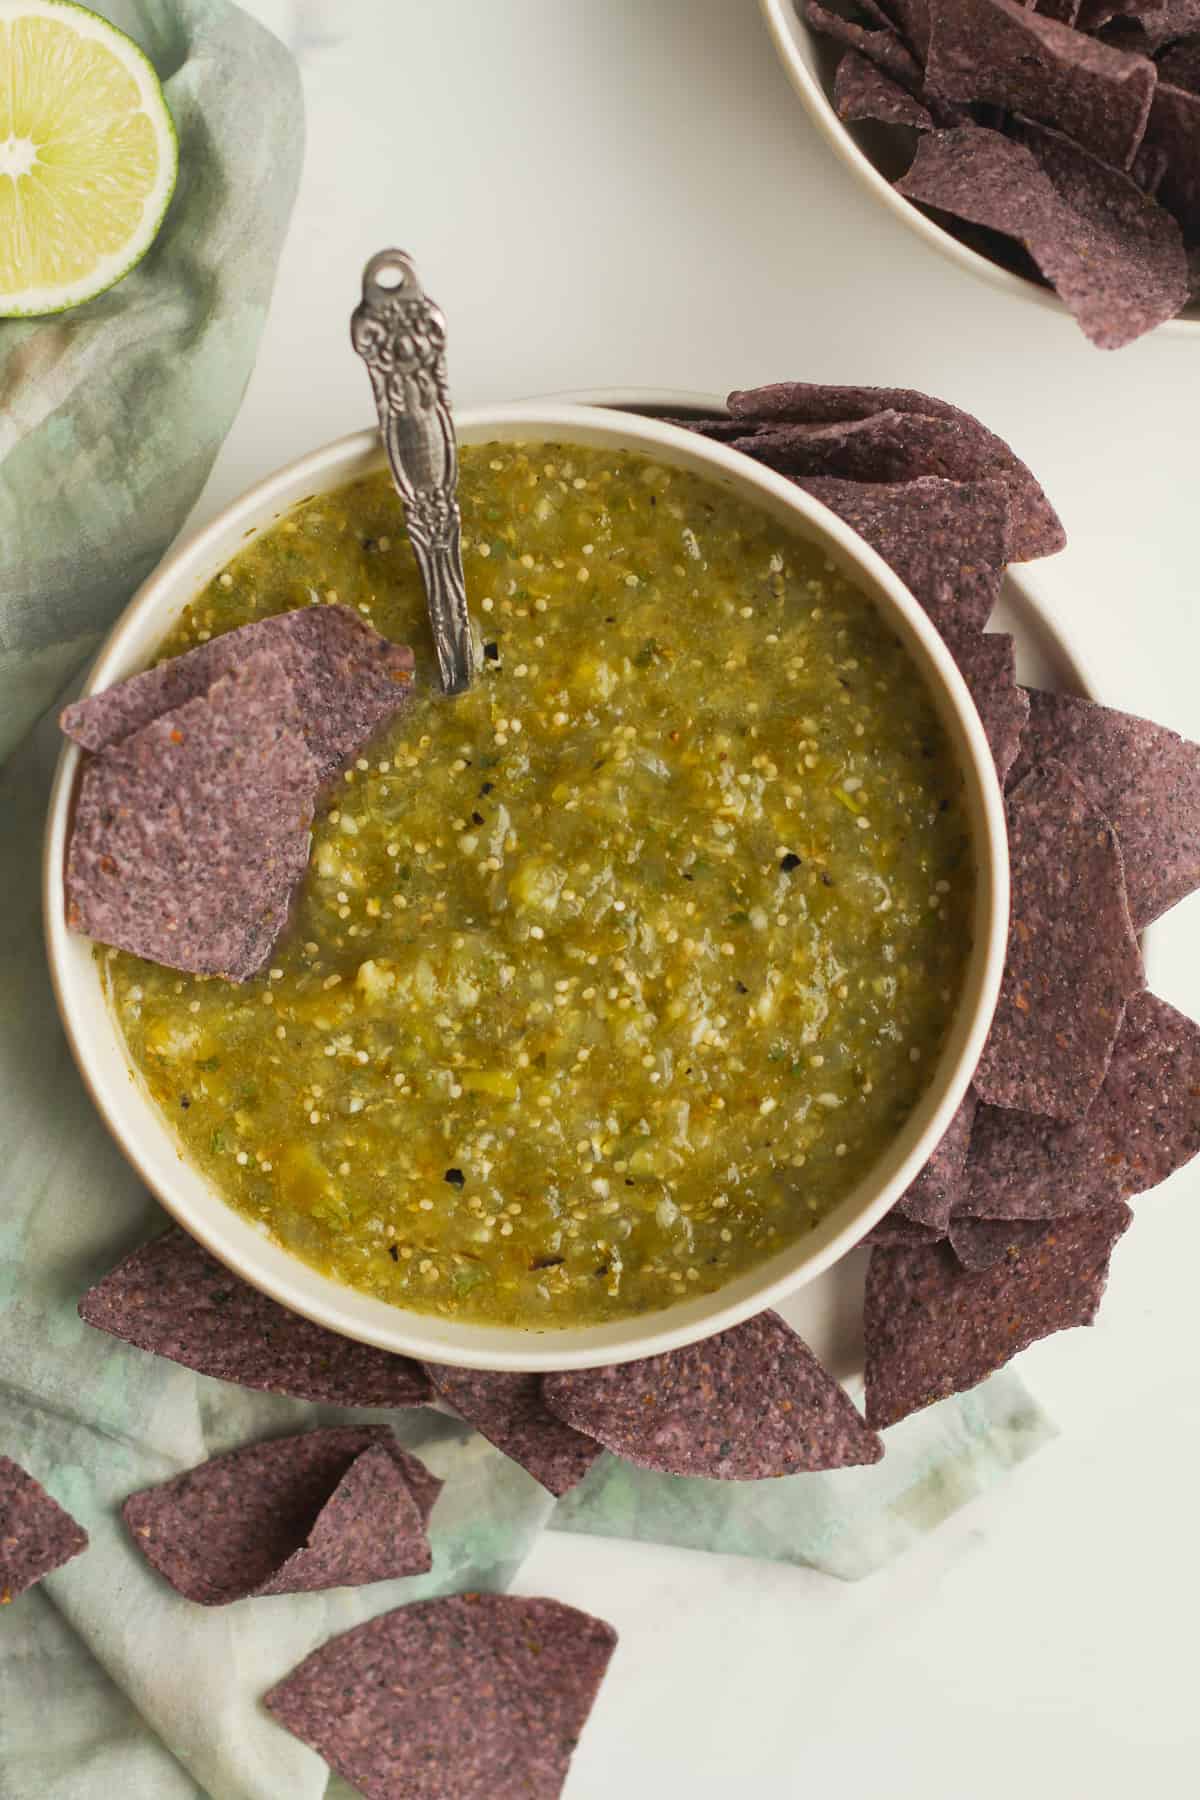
(111, 415)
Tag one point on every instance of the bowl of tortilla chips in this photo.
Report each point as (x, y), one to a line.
(1051, 150)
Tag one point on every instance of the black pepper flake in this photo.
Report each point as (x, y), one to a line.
(487, 787)
(492, 652)
(789, 862)
(826, 878)
(741, 987)
(185, 1100)
(455, 1177)
(393, 1252)
(477, 818)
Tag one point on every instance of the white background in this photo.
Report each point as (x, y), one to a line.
(627, 192)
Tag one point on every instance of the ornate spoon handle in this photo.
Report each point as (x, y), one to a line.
(401, 336)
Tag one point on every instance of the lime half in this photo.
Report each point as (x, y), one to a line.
(87, 155)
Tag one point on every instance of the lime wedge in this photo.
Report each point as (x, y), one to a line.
(88, 156)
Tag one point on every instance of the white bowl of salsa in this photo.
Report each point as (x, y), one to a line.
(186, 1184)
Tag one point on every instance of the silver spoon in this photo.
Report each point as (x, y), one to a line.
(401, 336)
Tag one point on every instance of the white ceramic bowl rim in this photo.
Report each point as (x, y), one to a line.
(795, 43)
(141, 1129)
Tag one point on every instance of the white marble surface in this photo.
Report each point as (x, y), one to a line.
(628, 193)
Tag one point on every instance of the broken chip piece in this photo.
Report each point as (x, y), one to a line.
(1144, 777)
(173, 1299)
(36, 1535)
(749, 1403)
(1142, 1125)
(509, 1411)
(933, 1328)
(191, 835)
(457, 1699)
(1073, 959)
(329, 1508)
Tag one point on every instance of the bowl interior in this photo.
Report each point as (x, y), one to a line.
(141, 1129)
(870, 154)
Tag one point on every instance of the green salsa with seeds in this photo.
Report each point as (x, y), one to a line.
(610, 978)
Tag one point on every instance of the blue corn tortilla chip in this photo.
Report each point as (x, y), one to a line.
(912, 21)
(508, 1410)
(1149, 166)
(36, 1535)
(966, 452)
(982, 1243)
(947, 540)
(1144, 777)
(933, 1328)
(1005, 54)
(882, 46)
(1113, 255)
(172, 1299)
(1142, 1125)
(1173, 135)
(347, 679)
(750, 1403)
(1073, 959)
(191, 835)
(329, 1508)
(942, 1184)
(1120, 234)
(1143, 24)
(861, 90)
(1180, 65)
(896, 1232)
(476, 1697)
(988, 662)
